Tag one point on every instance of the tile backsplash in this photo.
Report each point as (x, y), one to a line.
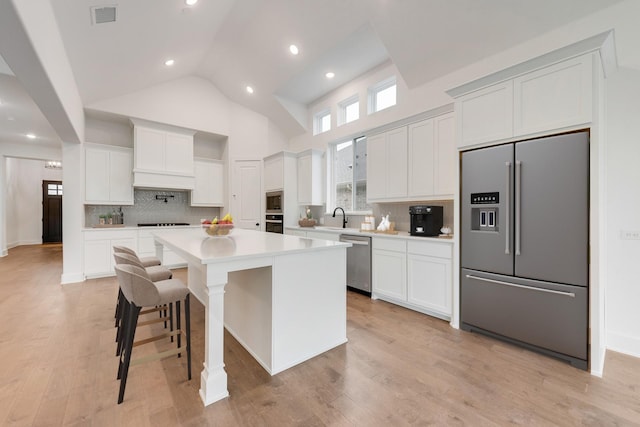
(147, 209)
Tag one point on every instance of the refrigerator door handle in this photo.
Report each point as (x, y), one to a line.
(518, 198)
(500, 282)
(507, 246)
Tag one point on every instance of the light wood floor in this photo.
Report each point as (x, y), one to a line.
(57, 367)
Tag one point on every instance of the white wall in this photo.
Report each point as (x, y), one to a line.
(623, 203)
(108, 132)
(24, 200)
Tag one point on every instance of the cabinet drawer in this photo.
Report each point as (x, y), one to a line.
(397, 245)
(429, 249)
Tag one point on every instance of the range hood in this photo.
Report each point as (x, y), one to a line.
(163, 156)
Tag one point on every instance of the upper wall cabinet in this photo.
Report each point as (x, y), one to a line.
(209, 183)
(108, 175)
(310, 178)
(551, 98)
(431, 157)
(387, 165)
(163, 157)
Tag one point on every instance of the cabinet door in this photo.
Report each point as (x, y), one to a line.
(421, 159)
(553, 97)
(97, 173)
(121, 177)
(179, 154)
(209, 184)
(97, 257)
(396, 171)
(149, 149)
(304, 180)
(429, 283)
(485, 115)
(389, 274)
(273, 174)
(376, 167)
(445, 158)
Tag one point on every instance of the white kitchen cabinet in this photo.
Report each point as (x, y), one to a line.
(389, 269)
(429, 277)
(98, 250)
(147, 247)
(209, 183)
(485, 115)
(163, 156)
(108, 175)
(422, 156)
(445, 156)
(310, 178)
(553, 97)
(387, 165)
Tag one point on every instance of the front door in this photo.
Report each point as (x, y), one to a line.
(51, 211)
(246, 194)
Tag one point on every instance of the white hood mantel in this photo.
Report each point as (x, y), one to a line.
(163, 156)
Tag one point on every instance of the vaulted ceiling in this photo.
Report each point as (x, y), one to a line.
(235, 43)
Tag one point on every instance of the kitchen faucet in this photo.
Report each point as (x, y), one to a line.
(344, 217)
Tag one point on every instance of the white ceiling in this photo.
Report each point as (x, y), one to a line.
(234, 43)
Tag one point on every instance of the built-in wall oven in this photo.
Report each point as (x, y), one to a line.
(274, 202)
(273, 224)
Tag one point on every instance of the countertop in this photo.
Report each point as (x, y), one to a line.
(356, 231)
(197, 246)
(135, 227)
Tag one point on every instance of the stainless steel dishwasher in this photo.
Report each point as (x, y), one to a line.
(358, 262)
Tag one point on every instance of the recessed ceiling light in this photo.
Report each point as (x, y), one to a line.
(249, 89)
(330, 75)
(31, 136)
(190, 2)
(293, 49)
(169, 62)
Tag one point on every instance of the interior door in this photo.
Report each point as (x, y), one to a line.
(246, 194)
(485, 173)
(51, 211)
(553, 223)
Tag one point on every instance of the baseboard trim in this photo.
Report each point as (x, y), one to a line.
(67, 278)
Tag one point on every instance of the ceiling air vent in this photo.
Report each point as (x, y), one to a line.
(103, 14)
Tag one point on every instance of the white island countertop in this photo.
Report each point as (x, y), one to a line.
(195, 244)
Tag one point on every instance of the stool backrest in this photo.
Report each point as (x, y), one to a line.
(125, 258)
(136, 286)
(125, 250)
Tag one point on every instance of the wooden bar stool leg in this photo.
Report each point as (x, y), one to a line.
(178, 323)
(134, 311)
(120, 333)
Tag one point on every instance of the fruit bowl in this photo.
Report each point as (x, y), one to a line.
(217, 230)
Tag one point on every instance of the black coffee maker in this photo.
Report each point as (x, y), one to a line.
(425, 220)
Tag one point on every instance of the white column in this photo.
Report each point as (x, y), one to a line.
(3, 207)
(72, 213)
(213, 380)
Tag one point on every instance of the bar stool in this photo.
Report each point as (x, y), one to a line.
(148, 261)
(155, 273)
(139, 291)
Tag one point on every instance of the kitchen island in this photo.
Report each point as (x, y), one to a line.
(282, 297)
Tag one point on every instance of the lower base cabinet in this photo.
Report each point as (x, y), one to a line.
(414, 274)
(98, 250)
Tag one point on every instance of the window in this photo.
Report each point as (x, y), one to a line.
(348, 110)
(349, 175)
(54, 189)
(382, 95)
(322, 122)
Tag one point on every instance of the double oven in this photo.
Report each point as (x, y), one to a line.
(274, 216)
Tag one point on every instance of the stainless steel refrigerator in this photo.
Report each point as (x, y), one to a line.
(525, 244)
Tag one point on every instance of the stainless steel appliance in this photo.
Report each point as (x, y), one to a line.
(524, 244)
(425, 220)
(358, 262)
(274, 202)
(273, 224)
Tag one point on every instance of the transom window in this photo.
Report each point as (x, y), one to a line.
(348, 110)
(382, 95)
(322, 122)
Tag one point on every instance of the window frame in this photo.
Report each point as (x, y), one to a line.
(317, 121)
(331, 196)
(377, 88)
(342, 109)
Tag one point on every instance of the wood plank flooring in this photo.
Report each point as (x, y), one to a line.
(58, 367)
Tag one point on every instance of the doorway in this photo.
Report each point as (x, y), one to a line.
(51, 211)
